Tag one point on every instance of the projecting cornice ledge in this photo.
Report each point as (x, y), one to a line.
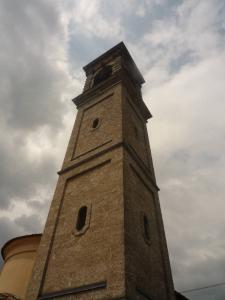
(119, 77)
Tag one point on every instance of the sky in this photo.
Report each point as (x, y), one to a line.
(179, 47)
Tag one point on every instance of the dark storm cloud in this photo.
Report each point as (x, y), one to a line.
(20, 178)
(30, 224)
(8, 230)
(34, 80)
(30, 82)
(208, 294)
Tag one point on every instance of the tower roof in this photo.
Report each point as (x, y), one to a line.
(118, 50)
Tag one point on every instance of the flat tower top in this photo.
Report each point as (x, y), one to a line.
(118, 50)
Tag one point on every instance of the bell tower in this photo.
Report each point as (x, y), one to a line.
(104, 236)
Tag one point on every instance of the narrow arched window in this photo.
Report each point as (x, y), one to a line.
(103, 74)
(95, 123)
(146, 227)
(135, 132)
(81, 218)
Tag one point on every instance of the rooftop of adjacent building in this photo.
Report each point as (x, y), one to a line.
(19, 255)
(19, 244)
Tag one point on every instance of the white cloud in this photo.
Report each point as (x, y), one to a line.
(87, 19)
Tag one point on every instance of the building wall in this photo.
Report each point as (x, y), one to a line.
(19, 256)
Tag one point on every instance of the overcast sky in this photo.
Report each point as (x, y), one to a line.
(179, 46)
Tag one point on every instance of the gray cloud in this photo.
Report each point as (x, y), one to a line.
(21, 178)
(8, 230)
(20, 226)
(30, 224)
(34, 84)
(31, 81)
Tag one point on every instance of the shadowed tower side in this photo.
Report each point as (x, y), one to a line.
(104, 236)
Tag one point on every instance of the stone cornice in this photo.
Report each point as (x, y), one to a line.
(128, 148)
(123, 77)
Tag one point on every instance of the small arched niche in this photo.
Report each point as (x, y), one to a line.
(95, 123)
(82, 222)
(146, 228)
(103, 74)
(81, 218)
